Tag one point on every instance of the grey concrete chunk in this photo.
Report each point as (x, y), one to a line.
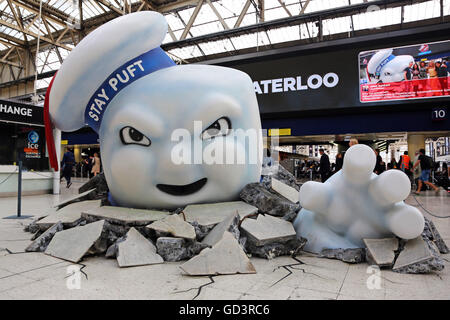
(231, 224)
(267, 229)
(381, 251)
(349, 255)
(41, 242)
(74, 243)
(284, 190)
(87, 195)
(175, 226)
(136, 250)
(281, 174)
(432, 234)
(69, 215)
(269, 202)
(124, 216)
(211, 214)
(275, 249)
(226, 257)
(98, 183)
(419, 255)
(176, 249)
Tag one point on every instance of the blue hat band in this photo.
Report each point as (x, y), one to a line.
(123, 76)
(383, 63)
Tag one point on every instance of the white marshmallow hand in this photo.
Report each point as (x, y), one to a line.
(355, 204)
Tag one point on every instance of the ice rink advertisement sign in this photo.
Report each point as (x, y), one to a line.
(410, 72)
(32, 147)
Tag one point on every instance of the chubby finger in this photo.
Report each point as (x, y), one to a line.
(359, 162)
(405, 221)
(390, 187)
(315, 196)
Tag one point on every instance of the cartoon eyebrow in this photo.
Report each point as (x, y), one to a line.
(145, 120)
(213, 107)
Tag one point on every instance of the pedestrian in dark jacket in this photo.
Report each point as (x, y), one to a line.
(67, 163)
(324, 167)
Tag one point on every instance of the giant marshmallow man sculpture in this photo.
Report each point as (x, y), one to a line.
(122, 84)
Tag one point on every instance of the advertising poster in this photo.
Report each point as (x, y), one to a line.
(411, 72)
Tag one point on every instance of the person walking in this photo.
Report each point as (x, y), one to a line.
(339, 161)
(425, 165)
(96, 164)
(352, 142)
(405, 164)
(67, 163)
(324, 166)
(380, 166)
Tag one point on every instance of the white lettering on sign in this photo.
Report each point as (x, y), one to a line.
(314, 81)
(123, 76)
(22, 111)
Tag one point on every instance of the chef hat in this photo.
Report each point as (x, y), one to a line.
(379, 60)
(104, 62)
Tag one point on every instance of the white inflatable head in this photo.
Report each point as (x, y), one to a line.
(388, 67)
(149, 113)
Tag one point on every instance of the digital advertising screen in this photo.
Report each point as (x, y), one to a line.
(418, 71)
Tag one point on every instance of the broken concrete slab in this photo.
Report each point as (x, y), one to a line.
(432, 234)
(112, 250)
(226, 257)
(177, 249)
(275, 249)
(381, 251)
(87, 195)
(268, 202)
(33, 227)
(355, 255)
(41, 243)
(73, 244)
(418, 256)
(173, 225)
(284, 190)
(201, 231)
(124, 216)
(281, 174)
(98, 183)
(211, 214)
(136, 250)
(266, 229)
(230, 224)
(69, 215)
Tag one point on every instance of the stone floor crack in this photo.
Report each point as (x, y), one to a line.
(290, 267)
(343, 281)
(34, 269)
(211, 278)
(80, 270)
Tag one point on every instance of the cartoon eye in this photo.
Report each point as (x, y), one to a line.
(130, 135)
(387, 73)
(220, 127)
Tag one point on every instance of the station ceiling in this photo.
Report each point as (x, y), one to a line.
(198, 29)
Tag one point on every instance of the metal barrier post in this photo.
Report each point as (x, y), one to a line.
(19, 195)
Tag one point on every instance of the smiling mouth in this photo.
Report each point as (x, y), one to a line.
(182, 190)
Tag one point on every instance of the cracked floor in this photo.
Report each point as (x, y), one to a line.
(38, 276)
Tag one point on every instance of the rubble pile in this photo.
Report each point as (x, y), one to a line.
(419, 255)
(213, 238)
